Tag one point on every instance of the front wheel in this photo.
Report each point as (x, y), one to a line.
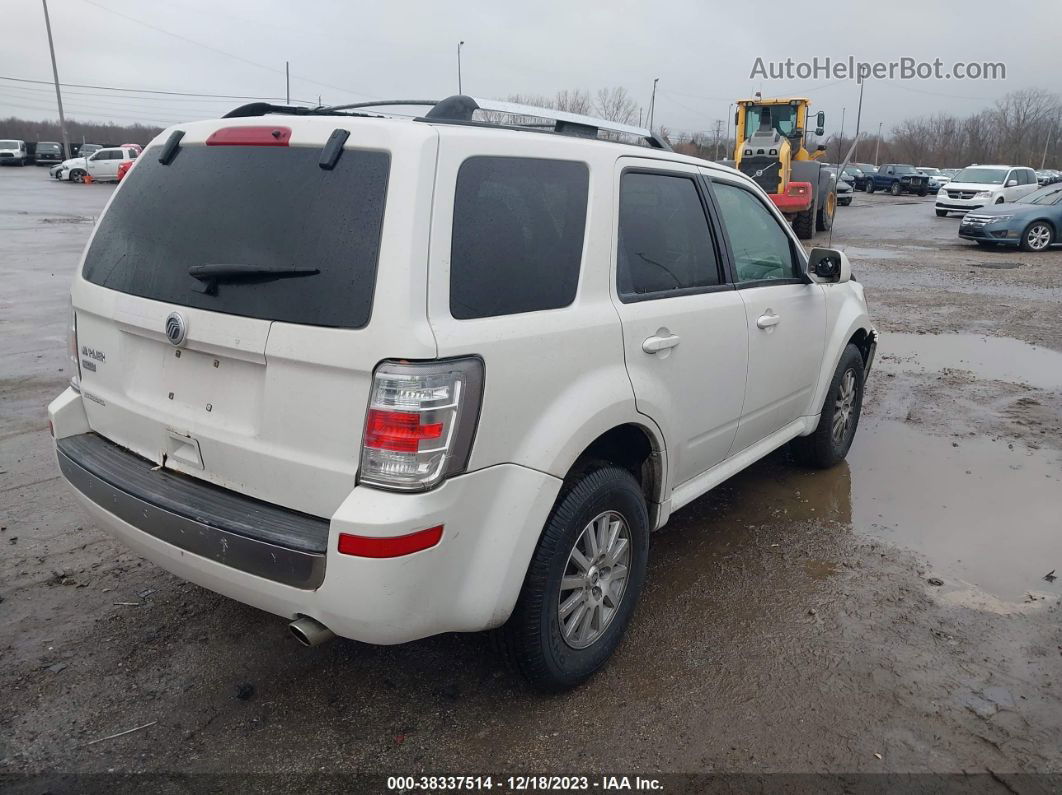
(1037, 236)
(583, 582)
(896, 190)
(923, 192)
(870, 187)
(830, 441)
(77, 175)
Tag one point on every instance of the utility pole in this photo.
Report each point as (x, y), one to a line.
(460, 44)
(877, 146)
(718, 130)
(287, 82)
(840, 144)
(859, 117)
(1043, 160)
(55, 74)
(652, 102)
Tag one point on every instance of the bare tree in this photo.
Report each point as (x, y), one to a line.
(615, 104)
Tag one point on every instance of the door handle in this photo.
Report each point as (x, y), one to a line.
(767, 320)
(656, 344)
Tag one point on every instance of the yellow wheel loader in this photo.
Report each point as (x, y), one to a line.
(771, 150)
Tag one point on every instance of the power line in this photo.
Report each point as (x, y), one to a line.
(218, 50)
(148, 90)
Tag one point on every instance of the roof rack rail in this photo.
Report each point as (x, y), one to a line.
(458, 109)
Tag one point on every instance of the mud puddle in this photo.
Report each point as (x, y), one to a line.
(996, 358)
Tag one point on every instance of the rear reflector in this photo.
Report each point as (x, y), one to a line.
(250, 136)
(394, 547)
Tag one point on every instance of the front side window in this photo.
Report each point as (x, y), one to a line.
(759, 244)
(665, 243)
(517, 235)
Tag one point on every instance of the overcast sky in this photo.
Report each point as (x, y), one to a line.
(702, 52)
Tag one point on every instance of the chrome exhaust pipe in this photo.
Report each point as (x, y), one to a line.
(310, 632)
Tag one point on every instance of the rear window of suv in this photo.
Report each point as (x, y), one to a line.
(517, 236)
(261, 206)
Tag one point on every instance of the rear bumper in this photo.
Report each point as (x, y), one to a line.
(468, 582)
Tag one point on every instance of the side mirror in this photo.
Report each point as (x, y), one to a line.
(820, 131)
(820, 120)
(829, 266)
(1011, 183)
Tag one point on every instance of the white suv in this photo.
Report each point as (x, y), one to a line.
(391, 377)
(978, 186)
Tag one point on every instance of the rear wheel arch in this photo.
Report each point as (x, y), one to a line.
(632, 447)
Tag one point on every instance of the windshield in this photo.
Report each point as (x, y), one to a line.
(930, 171)
(853, 172)
(780, 117)
(904, 170)
(985, 176)
(47, 147)
(8, 144)
(1052, 194)
(248, 207)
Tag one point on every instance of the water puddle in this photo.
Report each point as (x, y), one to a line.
(856, 253)
(986, 513)
(996, 358)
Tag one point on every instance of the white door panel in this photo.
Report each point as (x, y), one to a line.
(787, 330)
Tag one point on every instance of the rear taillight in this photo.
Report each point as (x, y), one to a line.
(71, 346)
(420, 422)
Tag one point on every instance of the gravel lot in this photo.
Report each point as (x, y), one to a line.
(890, 615)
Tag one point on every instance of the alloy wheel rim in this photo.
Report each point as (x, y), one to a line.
(594, 581)
(1038, 237)
(844, 408)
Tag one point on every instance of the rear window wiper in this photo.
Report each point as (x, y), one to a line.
(210, 275)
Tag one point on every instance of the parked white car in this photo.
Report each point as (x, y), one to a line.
(435, 376)
(13, 152)
(101, 165)
(937, 178)
(978, 186)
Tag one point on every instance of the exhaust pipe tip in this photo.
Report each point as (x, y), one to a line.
(310, 632)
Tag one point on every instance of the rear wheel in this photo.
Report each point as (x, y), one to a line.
(804, 224)
(583, 582)
(942, 213)
(824, 217)
(1037, 236)
(832, 437)
(896, 190)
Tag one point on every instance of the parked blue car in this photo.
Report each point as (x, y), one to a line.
(1033, 222)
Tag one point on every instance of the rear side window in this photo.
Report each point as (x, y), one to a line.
(518, 235)
(665, 243)
(270, 208)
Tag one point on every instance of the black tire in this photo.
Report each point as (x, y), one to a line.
(824, 217)
(77, 175)
(870, 187)
(1030, 245)
(923, 192)
(896, 189)
(532, 639)
(822, 449)
(804, 224)
(942, 213)
(844, 202)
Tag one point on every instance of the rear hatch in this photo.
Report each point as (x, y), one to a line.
(277, 336)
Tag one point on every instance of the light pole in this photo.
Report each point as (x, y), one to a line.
(859, 116)
(652, 102)
(840, 144)
(460, 44)
(877, 146)
(55, 73)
